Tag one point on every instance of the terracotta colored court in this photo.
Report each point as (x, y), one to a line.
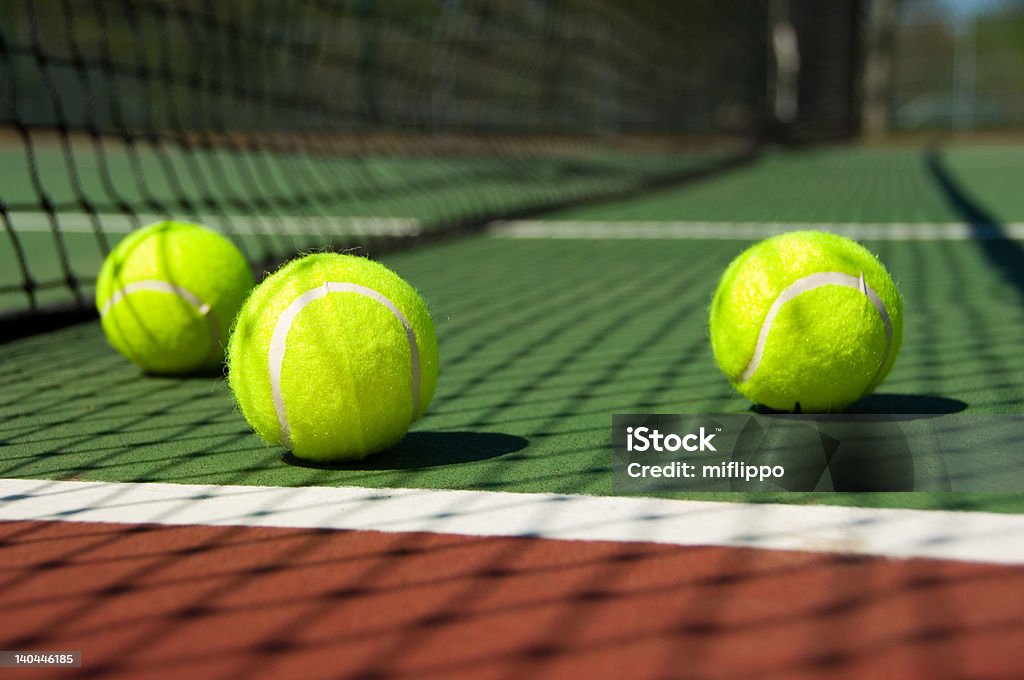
(238, 602)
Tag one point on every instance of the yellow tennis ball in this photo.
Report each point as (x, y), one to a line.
(334, 357)
(167, 295)
(806, 321)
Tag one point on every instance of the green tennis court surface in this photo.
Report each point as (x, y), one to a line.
(843, 185)
(273, 206)
(822, 186)
(542, 340)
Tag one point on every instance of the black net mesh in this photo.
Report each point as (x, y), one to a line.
(296, 125)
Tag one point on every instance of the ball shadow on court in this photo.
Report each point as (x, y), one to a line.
(419, 450)
(863, 449)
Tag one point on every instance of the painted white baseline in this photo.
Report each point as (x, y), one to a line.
(884, 532)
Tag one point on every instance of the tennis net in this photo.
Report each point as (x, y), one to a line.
(370, 123)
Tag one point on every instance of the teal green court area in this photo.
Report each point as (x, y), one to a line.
(842, 185)
(382, 196)
(273, 202)
(543, 340)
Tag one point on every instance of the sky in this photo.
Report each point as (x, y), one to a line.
(959, 11)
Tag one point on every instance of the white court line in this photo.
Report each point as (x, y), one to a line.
(75, 223)
(946, 535)
(746, 231)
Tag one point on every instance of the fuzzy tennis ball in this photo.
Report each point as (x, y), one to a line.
(334, 357)
(806, 321)
(167, 295)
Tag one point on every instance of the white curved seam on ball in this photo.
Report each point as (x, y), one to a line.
(809, 283)
(278, 345)
(158, 286)
(884, 313)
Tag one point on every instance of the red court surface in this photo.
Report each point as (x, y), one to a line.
(237, 602)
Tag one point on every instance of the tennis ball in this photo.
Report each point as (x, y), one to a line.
(167, 295)
(333, 356)
(806, 321)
